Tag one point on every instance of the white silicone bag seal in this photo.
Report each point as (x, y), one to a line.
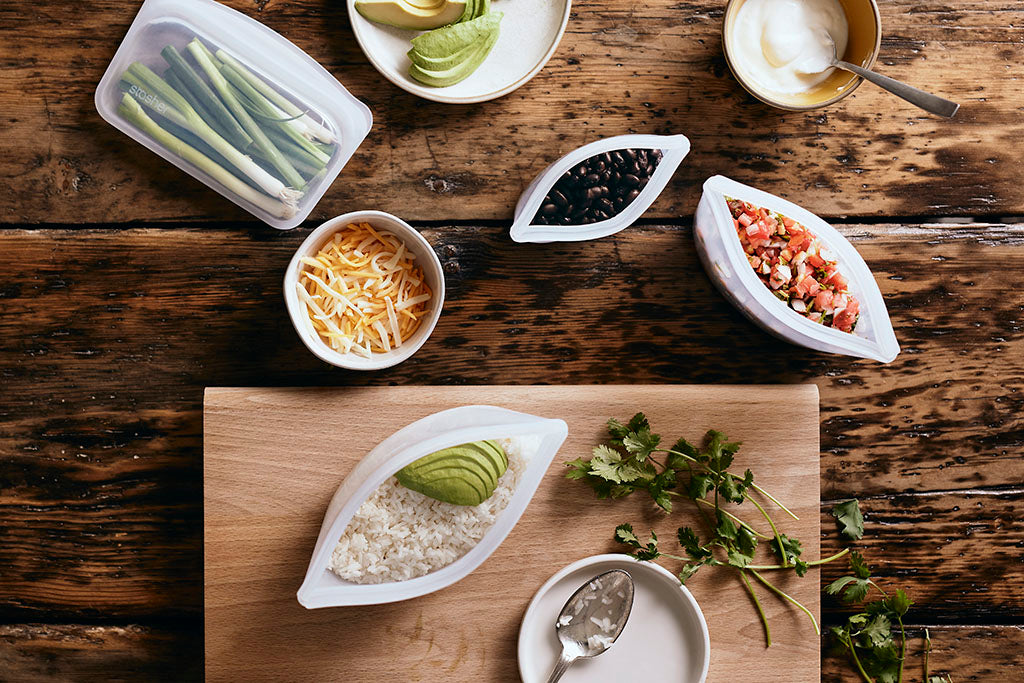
(674, 149)
(323, 588)
(727, 266)
(265, 52)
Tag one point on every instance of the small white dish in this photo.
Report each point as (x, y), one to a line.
(529, 35)
(674, 149)
(665, 639)
(425, 259)
(323, 588)
(726, 264)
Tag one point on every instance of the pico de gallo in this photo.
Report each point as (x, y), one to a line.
(795, 265)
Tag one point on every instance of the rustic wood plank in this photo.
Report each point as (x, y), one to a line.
(75, 652)
(652, 67)
(107, 342)
(85, 652)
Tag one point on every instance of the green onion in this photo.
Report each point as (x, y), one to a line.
(315, 130)
(264, 144)
(131, 110)
(200, 91)
(268, 111)
(294, 153)
(154, 93)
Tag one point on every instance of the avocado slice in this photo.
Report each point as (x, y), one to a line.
(460, 71)
(447, 40)
(462, 475)
(417, 15)
(472, 463)
(442, 63)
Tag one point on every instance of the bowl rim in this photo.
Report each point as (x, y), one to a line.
(767, 99)
(431, 270)
(662, 573)
(428, 93)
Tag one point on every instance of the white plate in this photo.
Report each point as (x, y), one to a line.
(529, 35)
(665, 639)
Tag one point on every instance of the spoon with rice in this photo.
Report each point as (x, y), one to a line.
(593, 618)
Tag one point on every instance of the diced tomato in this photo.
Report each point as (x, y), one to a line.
(837, 280)
(744, 219)
(823, 300)
(815, 261)
(845, 318)
(788, 222)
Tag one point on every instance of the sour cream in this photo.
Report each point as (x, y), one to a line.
(784, 46)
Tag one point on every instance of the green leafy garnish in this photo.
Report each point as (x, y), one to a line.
(868, 636)
(631, 461)
(851, 521)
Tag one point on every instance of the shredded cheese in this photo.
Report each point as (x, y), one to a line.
(363, 292)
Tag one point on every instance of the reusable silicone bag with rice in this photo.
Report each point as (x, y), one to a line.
(722, 255)
(466, 424)
(284, 89)
(674, 149)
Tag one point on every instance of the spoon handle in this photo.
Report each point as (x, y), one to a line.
(927, 101)
(563, 663)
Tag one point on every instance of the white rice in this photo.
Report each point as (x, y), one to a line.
(398, 534)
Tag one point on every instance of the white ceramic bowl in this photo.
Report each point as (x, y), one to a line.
(529, 35)
(323, 588)
(425, 259)
(665, 638)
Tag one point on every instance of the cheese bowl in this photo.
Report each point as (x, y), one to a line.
(323, 588)
(425, 259)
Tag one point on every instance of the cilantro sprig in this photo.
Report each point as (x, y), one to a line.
(633, 460)
(877, 653)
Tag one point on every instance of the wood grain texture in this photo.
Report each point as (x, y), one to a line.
(621, 67)
(107, 343)
(269, 472)
(37, 653)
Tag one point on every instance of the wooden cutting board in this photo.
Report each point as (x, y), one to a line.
(273, 458)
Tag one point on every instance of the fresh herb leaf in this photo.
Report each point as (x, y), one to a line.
(851, 521)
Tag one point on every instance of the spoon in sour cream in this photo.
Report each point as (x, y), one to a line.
(930, 103)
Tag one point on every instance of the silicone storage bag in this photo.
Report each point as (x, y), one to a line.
(719, 247)
(674, 149)
(278, 63)
(323, 588)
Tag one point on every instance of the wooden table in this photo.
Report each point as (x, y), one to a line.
(126, 287)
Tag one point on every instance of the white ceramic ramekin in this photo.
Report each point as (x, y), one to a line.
(425, 259)
(323, 588)
(674, 149)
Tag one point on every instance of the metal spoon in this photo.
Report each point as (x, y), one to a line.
(928, 102)
(593, 618)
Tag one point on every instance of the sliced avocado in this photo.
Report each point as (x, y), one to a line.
(442, 63)
(477, 464)
(454, 490)
(462, 475)
(417, 15)
(496, 455)
(459, 72)
(450, 39)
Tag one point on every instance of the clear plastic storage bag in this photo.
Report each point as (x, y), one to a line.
(726, 263)
(674, 149)
(309, 124)
(323, 588)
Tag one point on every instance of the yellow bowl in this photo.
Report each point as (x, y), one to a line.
(865, 39)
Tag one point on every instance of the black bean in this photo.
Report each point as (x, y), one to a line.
(592, 179)
(605, 204)
(548, 209)
(631, 180)
(633, 194)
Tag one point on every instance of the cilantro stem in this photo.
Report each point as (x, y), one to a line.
(760, 610)
(778, 538)
(736, 519)
(903, 648)
(774, 500)
(790, 598)
(927, 652)
(811, 563)
(856, 660)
